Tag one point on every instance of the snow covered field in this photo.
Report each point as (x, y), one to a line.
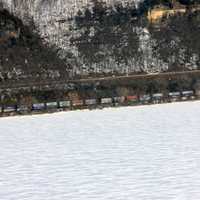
(133, 153)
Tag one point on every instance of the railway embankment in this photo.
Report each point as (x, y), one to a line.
(97, 93)
(91, 104)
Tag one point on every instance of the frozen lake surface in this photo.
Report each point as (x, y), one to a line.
(133, 153)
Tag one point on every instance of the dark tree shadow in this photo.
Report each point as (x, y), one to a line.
(23, 54)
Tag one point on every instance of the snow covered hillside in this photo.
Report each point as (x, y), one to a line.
(101, 37)
(133, 153)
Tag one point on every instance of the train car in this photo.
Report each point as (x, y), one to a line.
(157, 98)
(77, 103)
(197, 93)
(186, 95)
(22, 108)
(145, 99)
(38, 106)
(90, 102)
(9, 109)
(119, 100)
(132, 99)
(106, 101)
(174, 96)
(52, 105)
(64, 104)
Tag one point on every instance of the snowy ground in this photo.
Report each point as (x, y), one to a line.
(133, 153)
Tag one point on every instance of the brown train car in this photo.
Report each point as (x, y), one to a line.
(77, 103)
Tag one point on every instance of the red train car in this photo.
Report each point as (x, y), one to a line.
(132, 98)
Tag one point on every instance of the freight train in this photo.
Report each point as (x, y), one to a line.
(99, 103)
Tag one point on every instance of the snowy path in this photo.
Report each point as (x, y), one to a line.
(135, 153)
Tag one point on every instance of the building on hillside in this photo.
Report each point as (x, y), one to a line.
(158, 12)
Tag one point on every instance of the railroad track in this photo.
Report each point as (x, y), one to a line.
(63, 83)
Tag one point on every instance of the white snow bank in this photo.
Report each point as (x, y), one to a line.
(133, 153)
